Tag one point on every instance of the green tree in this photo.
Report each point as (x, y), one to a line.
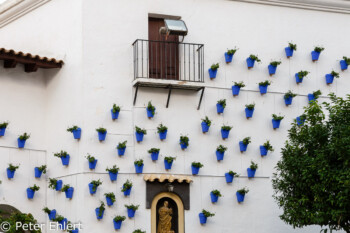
(312, 181)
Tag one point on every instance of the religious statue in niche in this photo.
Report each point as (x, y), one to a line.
(165, 217)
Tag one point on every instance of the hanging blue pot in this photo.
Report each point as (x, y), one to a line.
(109, 201)
(59, 185)
(10, 174)
(343, 65)
(138, 169)
(154, 156)
(117, 225)
(21, 143)
(289, 52)
(315, 55)
(311, 98)
(127, 192)
(219, 108)
(212, 73)
(92, 165)
(115, 115)
(228, 57)
(205, 127)
(288, 101)
(76, 230)
(63, 224)
(225, 133)
(91, 187)
(30, 193)
(329, 78)
(276, 123)
(202, 218)
(121, 151)
(263, 151)
(251, 172)
(235, 90)
(37, 172)
(52, 214)
(102, 136)
(168, 165)
(263, 89)
(242, 146)
(77, 133)
(195, 170)
(65, 160)
(240, 197)
(249, 113)
(250, 62)
(69, 192)
(162, 135)
(98, 216)
(131, 213)
(229, 177)
(220, 155)
(150, 114)
(213, 197)
(183, 145)
(272, 69)
(297, 79)
(113, 176)
(300, 122)
(2, 131)
(139, 137)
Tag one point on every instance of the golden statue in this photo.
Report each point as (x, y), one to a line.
(164, 224)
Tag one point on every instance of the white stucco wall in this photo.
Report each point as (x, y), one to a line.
(94, 38)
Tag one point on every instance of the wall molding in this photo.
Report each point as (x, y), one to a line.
(14, 9)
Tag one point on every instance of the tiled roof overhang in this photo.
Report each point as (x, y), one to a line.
(166, 177)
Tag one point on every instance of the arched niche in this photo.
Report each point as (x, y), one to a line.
(7, 210)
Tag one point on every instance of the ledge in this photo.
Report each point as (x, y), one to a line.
(163, 83)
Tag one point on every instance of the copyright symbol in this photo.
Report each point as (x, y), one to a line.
(5, 226)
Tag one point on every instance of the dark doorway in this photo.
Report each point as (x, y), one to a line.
(175, 216)
(163, 52)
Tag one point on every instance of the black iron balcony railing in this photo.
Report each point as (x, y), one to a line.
(168, 60)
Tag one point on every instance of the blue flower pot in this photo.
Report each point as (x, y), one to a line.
(69, 192)
(289, 52)
(242, 146)
(131, 213)
(63, 224)
(315, 55)
(263, 89)
(311, 98)
(97, 211)
(183, 146)
(76, 230)
(202, 218)
(272, 69)
(225, 133)
(114, 115)
(109, 201)
(297, 79)
(300, 122)
(121, 151)
(212, 73)
(37, 172)
(240, 197)
(343, 65)
(127, 192)
(276, 124)
(150, 114)
(2, 131)
(139, 137)
(205, 127)
(154, 156)
(162, 135)
(138, 169)
(168, 165)
(65, 160)
(52, 214)
(113, 176)
(213, 197)
(235, 90)
(329, 78)
(229, 177)
(288, 101)
(263, 151)
(92, 165)
(219, 108)
(77, 133)
(59, 185)
(228, 57)
(195, 170)
(30, 193)
(250, 62)
(91, 189)
(117, 225)
(249, 113)
(251, 173)
(102, 136)
(21, 143)
(10, 174)
(220, 155)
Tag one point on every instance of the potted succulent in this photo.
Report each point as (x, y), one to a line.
(213, 71)
(195, 167)
(150, 110)
(31, 191)
(225, 131)
(38, 171)
(300, 120)
(115, 112)
(162, 131)
(138, 166)
(273, 67)
(251, 60)
(93, 185)
(21, 140)
(290, 49)
(249, 110)
(55, 184)
(68, 190)
(76, 131)
(110, 198)
(276, 121)
(204, 215)
(206, 123)
(244, 144)
(50, 213)
(168, 162)
(113, 172)
(121, 148)
(140, 133)
(237, 87)
(229, 55)
(288, 98)
(330, 77)
(214, 195)
(184, 142)
(252, 169)
(314, 96)
(263, 86)
(240, 194)
(230, 175)
(3, 127)
(220, 106)
(64, 157)
(344, 63)
(138, 231)
(300, 76)
(154, 153)
(315, 54)
(220, 152)
(92, 162)
(11, 171)
(131, 210)
(265, 148)
(100, 211)
(127, 188)
(117, 221)
(102, 133)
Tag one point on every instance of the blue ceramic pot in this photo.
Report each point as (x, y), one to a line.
(117, 225)
(263, 89)
(21, 143)
(329, 78)
(139, 137)
(225, 133)
(127, 192)
(235, 90)
(289, 52)
(30, 193)
(113, 176)
(263, 151)
(109, 201)
(219, 108)
(249, 113)
(138, 169)
(205, 127)
(183, 145)
(300, 122)
(77, 133)
(220, 155)
(150, 114)
(276, 124)
(37, 172)
(212, 73)
(311, 98)
(168, 165)
(92, 165)
(213, 197)
(121, 151)
(251, 173)
(76, 230)
(250, 63)
(343, 65)
(59, 185)
(297, 79)
(65, 160)
(228, 177)
(154, 156)
(288, 101)
(162, 135)
(272, 69)
(52, 214)
(228, 58)
(98, 216)
(242, 146)
(69, 192)
(315, 55)
(195, 170)
(91, 189)
(10, 174)
(202, 218)
(131, 213)
(115, 115)
(2, 131)
(102, 136)
(63, 224)
(240, 197)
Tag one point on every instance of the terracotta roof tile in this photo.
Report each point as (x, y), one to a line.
(167, 177)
